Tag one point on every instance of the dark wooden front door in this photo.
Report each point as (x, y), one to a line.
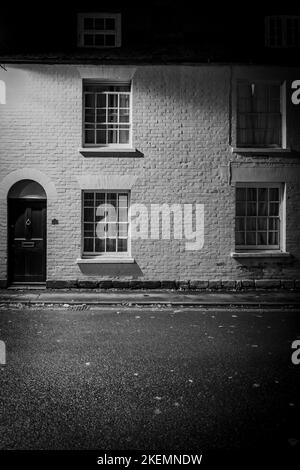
(26, 240)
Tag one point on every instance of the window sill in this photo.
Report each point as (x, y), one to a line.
(84, 46)
(106, 260)
(261, 151)
(260, 254)
(110, 152)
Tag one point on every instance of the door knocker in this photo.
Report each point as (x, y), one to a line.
(28, 222)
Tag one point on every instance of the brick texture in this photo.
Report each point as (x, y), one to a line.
(182, 127)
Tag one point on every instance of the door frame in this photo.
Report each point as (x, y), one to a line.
(10, 202)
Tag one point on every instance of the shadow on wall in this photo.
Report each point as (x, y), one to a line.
(112, 270)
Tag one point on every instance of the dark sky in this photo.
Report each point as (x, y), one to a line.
(51, 26)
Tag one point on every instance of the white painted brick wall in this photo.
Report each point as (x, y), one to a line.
(180, 124)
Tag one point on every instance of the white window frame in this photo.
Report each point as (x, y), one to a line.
(116, 32)
(283, 41)
(105, 254)
(282, 85)
(107, 145)
(282, 218)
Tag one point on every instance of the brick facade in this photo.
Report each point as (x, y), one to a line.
(183, 130)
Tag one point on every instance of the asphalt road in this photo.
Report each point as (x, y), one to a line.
(142, 378)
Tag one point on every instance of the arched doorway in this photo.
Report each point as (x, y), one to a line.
(26, 202)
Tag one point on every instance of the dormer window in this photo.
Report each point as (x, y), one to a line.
(282, 31)
(99, 30)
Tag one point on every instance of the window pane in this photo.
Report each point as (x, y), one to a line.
(101, 229)
(89, 214)
(101, 212)
(89, 116)
(89, 230)
(110, 244)
(273, 223)
(112, 115)
(111, 229)
(260, 98)
(240, 194)
(122, 245)
(101, 100)
(122, 215)
(274, 208)
(274, 194)
(99, 245)
(112, 199)
(109, 39)
(274, 91)
(275, 106)
(88, 23)
(88, 40)
(112, 136)
(262, 209)
(101, 116)
(262, 194)
(112, 100)
(108, 123)
(124, 100)
(100, 198)
(240, 223)
(109, 23)
(99, 23)
(244, 96)
(88, 244)
(240, 238)
(262, 238)
(101, 232)
(262, 229)
(273, 238)
(262, 223)
(251, 194)
(240, 208)
(124, 115)
(251, 208)
(122, 230)
(124, 136)
(251, 238)
(88, 199)
(123, 200)
(101, 136)
(109, 212)
(99, 40)
(89, 100)
(259, 117)
(251, 223)
(89, 137)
